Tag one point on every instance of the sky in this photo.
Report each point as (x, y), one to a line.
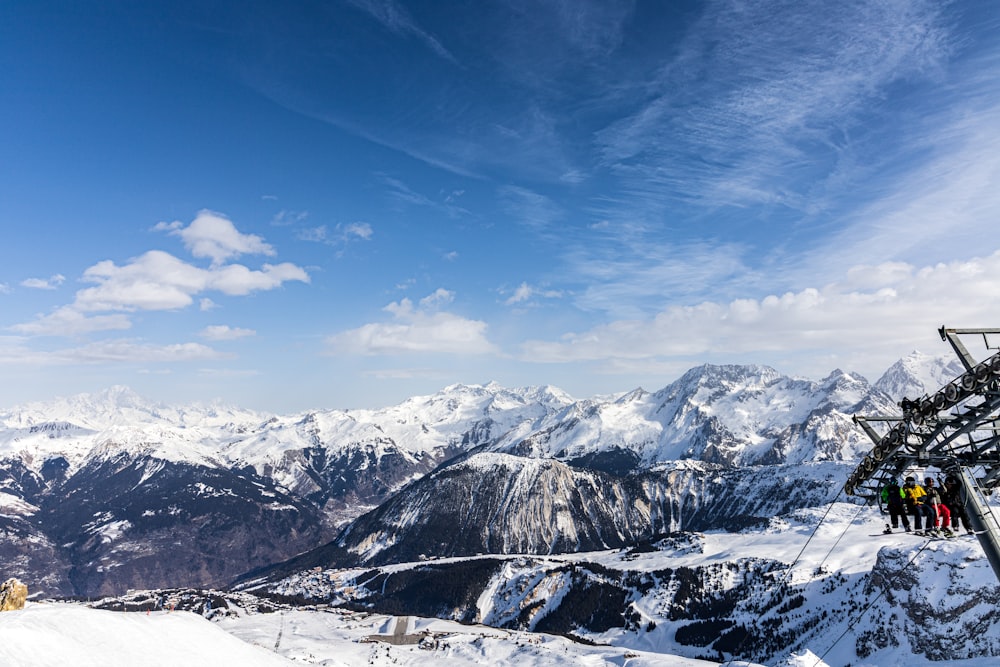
(340, 204)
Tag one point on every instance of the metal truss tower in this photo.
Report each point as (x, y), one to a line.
(956, 430)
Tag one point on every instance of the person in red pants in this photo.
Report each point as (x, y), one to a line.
(942, 516)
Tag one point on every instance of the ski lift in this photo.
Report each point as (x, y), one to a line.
(954, 429)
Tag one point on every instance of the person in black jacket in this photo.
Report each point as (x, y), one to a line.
(951, 496)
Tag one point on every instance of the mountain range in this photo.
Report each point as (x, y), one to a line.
(109, 492)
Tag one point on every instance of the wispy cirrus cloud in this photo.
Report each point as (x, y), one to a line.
(284, 218)
(108, 351)
(68, 321)
(397, 19)
(399, 191)
(525, 293)
(339, 236)
(530, 208)
(946, 203)
(760, 95)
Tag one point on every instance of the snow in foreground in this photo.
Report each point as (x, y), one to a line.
(56, 635)
(59, 634)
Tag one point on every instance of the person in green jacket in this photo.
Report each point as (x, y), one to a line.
(893, 496)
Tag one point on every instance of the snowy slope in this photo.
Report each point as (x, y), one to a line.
(56, 635)
(336, 640)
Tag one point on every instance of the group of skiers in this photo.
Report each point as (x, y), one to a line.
(938, 505)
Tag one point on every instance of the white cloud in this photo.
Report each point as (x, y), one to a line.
(214, 236)
(225, 332)
(405, 373)
(238, 280)
(159, 281)
(67, 321)
(44, 283)
(228, 372)
(522, 293)
(207, 304)
(4, 288)
(865, 329)
(421, 329)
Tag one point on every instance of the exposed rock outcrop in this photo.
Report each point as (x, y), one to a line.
(13, 595)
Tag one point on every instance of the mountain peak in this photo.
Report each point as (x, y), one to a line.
(917, 374)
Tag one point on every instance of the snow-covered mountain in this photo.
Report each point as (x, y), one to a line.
(720, 448)
(106, 492)
(729, 415)
(918, 374)
(99, 493)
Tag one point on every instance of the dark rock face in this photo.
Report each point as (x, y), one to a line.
(137, 522)
(502, 504)
(339, 482)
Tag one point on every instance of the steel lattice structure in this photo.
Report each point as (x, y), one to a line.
(958, 424)
(956, 429)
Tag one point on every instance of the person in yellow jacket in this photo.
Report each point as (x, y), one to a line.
(916, 497)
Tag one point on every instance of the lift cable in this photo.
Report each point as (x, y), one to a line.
(791, 566)
(847, 526)
(892, 580)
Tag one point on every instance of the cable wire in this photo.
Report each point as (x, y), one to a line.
(788, 572)
(850, 626)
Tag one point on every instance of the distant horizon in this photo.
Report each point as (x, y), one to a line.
(355, 202)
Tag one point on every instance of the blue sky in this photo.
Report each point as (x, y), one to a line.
(341, 204)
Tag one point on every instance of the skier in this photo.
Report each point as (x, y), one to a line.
(892, 496)
(942, 517)
(914, 495)
(951, 496)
